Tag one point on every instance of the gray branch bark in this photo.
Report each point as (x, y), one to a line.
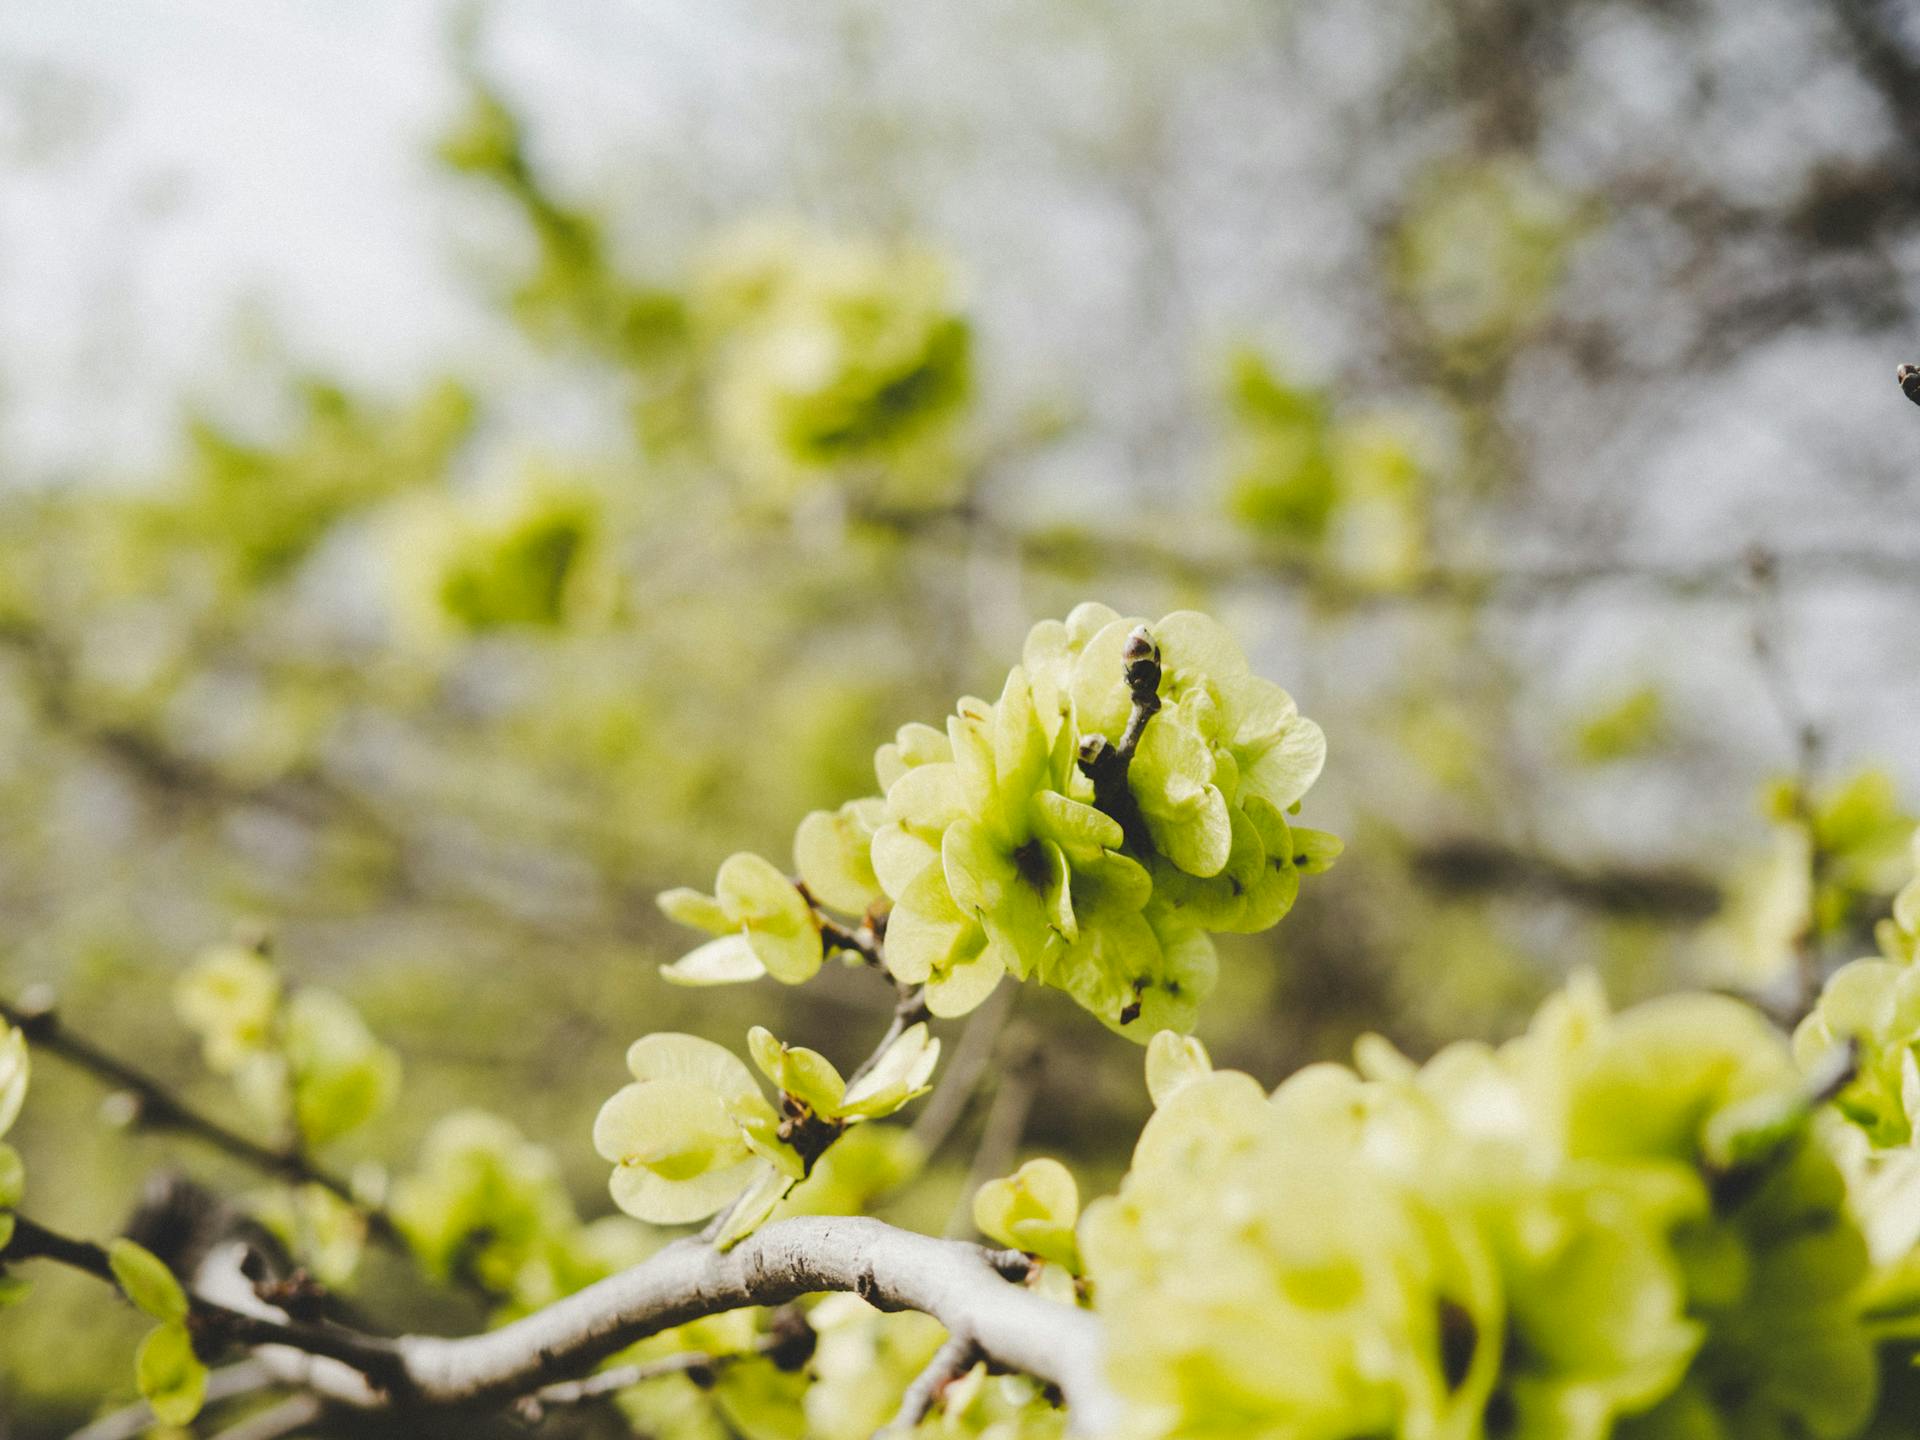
(961, 1285)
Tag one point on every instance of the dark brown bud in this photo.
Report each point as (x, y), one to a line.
(1909, 378)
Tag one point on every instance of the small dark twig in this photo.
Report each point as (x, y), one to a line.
(1106, 765)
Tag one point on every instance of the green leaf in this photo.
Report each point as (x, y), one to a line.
(145, 1280)
(172, 1379)
(16, 1066)
(13, 1177)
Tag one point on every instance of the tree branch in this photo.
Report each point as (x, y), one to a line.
(970, 1290)
(160, 1109)
(375, 1361)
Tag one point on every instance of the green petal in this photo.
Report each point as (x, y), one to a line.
(1198, 645)
(1286, 771)
(752, 890)
(1080, 830)
(1171, 780)
(833, 853)
(646, 1196)
(729, 960)
(690, 907)
(756, 1203)
(929, 798)
(896, 1077)
(899, 855)
(967, 983)
(792, 959)
(675, 1128)
(1172, 1061)
(805, 1074)
(669, 1056)
(1098, 686)
(1020, 751)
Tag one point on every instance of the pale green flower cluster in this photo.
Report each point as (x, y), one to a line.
(1062, 833)
(304, 1058)
(1125, 796)
(485, 1203)
(831, 360)
(695, 1132)
(1873, 1005)
(1000, 854)
(1610, 1226)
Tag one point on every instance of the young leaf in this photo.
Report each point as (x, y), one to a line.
(145, 1280)
(172, 1380)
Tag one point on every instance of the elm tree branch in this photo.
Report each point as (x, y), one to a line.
(160, 1109)
(376, 1360)
(970, 1290)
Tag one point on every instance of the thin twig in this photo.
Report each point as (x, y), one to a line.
(957, 1355)
(1006, 1124)
(296, 1412)
(159, 1108)
(1107, 765)
(948, 1104)
(229, 1382)
(909, 1009)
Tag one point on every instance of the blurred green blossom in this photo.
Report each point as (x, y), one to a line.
(831, 360)
(1833, 852)
(1349, 493)
(993, 851)
(482, 1201)
(1034, 1209)
(1873, 1005)
(1612, 1224)
(304, 1058)
(1630, 725)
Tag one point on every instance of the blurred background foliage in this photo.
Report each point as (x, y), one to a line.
(729, 387)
